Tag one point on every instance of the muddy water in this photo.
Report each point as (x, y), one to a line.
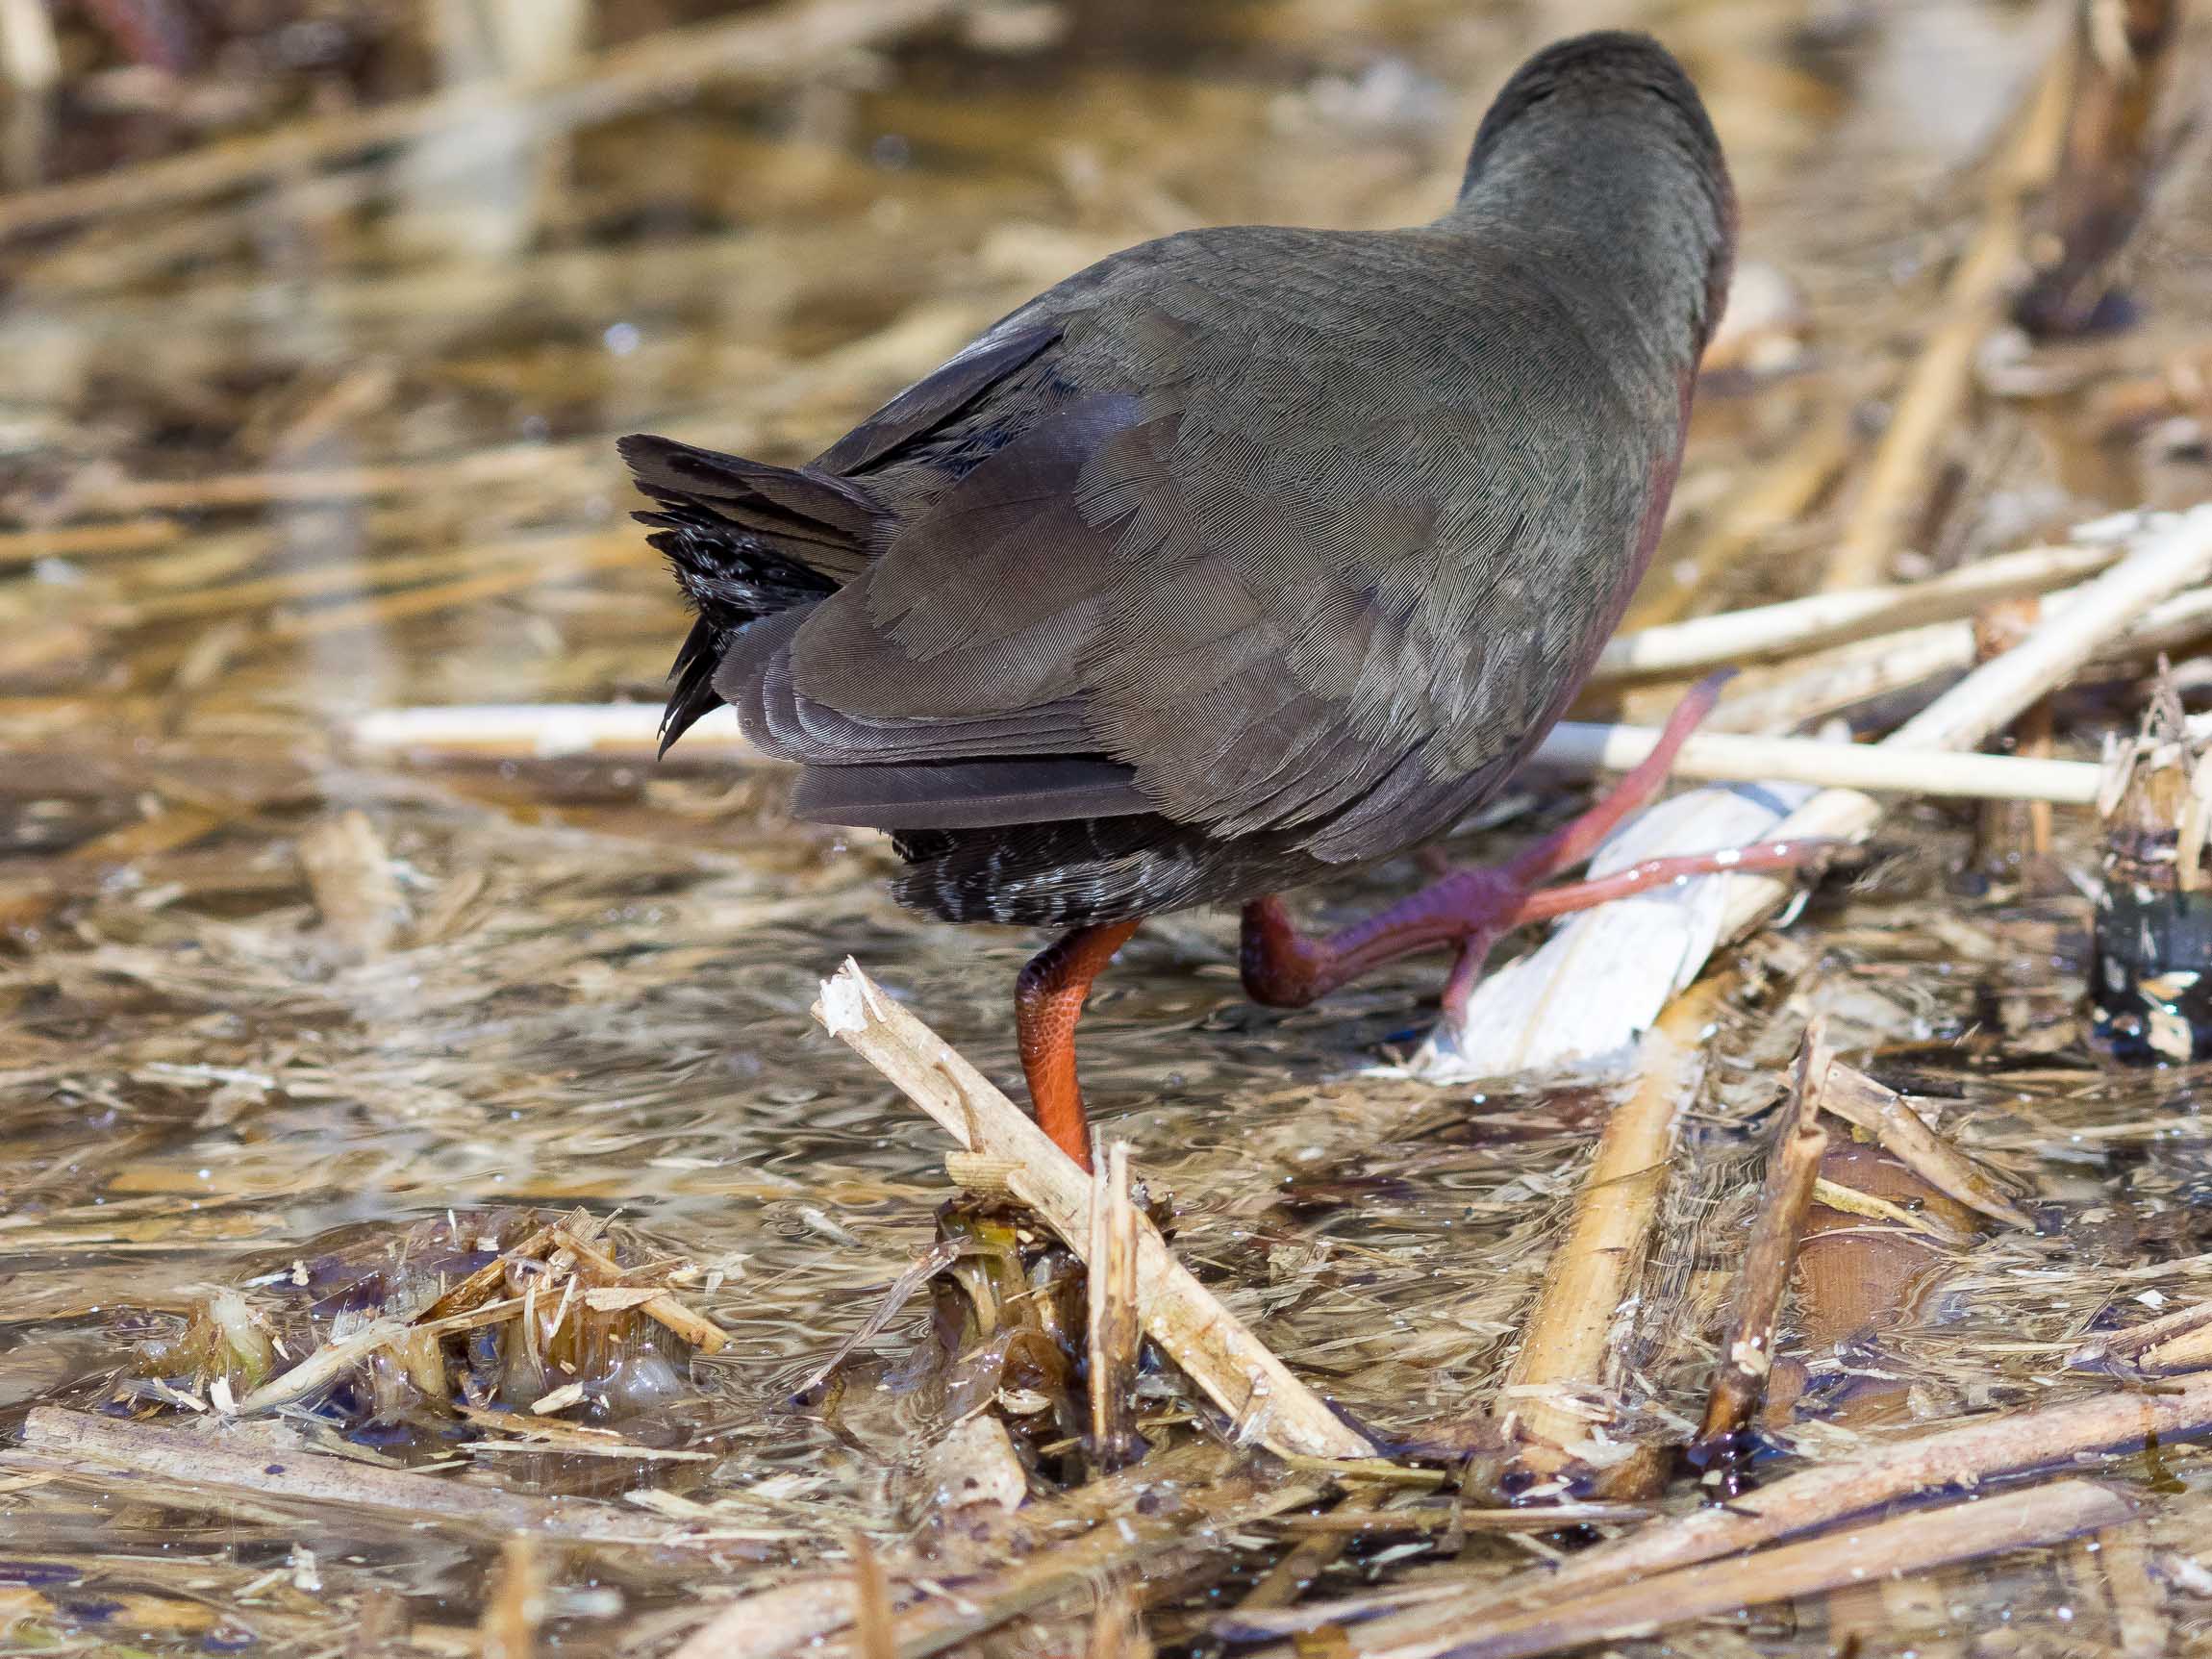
(270, 461)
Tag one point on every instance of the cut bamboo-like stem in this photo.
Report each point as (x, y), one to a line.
(1725, 757)
(630, 730)
(1991, 696)
(1215, 1348)
(1911, 1543)
(1566, 1350)
(1681, 650)
(1748, 1350)
(1113, 1329)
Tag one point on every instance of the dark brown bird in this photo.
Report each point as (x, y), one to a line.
(1240, 557)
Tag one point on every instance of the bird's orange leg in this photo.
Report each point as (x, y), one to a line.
(1472, 909)
(1048, 1002)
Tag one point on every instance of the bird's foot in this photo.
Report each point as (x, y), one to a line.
(1468, 910)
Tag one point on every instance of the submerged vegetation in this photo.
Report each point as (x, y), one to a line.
(439, 1211)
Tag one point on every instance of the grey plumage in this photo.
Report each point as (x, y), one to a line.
(1244, 553)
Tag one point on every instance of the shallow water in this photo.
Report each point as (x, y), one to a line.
(269, 460)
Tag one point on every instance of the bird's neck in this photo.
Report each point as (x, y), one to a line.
(1639, 230)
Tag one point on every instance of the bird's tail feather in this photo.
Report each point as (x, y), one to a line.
(745, 539)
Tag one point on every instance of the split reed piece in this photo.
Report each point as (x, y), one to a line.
(1113, 1328)
(1230, 1365)
(1748, 1350)
(1567, 1360)
(1899, 1130)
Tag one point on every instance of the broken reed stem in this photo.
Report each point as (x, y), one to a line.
(1727, 757)
(1114, 1330)
(1883, 1111)
(1748, 1350)
(515, 1603)
(1966, 1457)
(1566, 1347)
(1074, 1540)
(1960, 1459)
(2121, 54)
(758, 48)
(1904, 1544)
(1793, 627)
(630, 731)
(1214, 1348)
(873, 1637)
(84, 1444)
(2180, 1340)
(1991, 696)
(1937, 386)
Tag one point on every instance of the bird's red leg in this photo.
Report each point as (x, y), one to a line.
(1048, 1002)
(1472, 908)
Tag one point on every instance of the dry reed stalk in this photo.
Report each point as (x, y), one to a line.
(123, 538)
(1724, 757)
(2180, 1340)
(1793, 627)
(589, 554)
(1114, 1332)
(2004, 831)
(871, 1614)
(1779, 698)
(1215, 1348)
(1748, 1350)
(1313, 1554)
(1818, 1498)
(1077, 1538)
(1937, 387)
(1536, 1518)
(2177, 556)
(1117, 1627)
(2013, 1444)
(98, 1448)
(1904, 1544)
(1881, 1112)
(514, 1602)
(755, 49)
(630, 730)
(349, 580)
(2122, 56)
(326, 1365)
(273, 486)
(350, 875)
(31, 69)
(2122, 1562)
(1567, 1346)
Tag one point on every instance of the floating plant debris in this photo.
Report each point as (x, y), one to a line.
(430, 1221)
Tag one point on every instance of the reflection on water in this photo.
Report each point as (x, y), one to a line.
(343, 439)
